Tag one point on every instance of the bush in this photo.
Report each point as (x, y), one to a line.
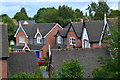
(70, 70)
(43, 68)
(45, 63)
(24, 75)
(108, 70)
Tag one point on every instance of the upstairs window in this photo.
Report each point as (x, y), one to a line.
(59, 41)
(39, 40)
(72, 41)
(21, 39)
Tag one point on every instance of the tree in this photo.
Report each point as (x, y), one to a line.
(11, 26)
(66, 12)
(22, 15)
(114, 13)
(70, 70)
(98, 9)
(48, 15)
(63, 15)
(110, 68)
(78, 13)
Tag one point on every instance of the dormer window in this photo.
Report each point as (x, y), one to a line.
(21, 39)
(39, 40)
(59, 41)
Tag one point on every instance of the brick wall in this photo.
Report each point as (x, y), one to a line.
(21, 33)
(78, 41)
(3, 69)
(50, 39)
(95, 45)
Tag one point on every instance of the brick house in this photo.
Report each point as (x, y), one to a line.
(4, 55)
(86, 34)
(36, 38)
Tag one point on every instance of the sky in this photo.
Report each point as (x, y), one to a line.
(10, 7)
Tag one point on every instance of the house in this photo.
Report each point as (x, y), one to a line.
(4, 55)
(36, 38)
(23, 22)
(22, 62)
(86, 34)
(87, 58)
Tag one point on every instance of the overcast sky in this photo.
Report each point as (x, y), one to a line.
(12, 6)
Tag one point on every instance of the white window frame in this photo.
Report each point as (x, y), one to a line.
(38, 40)
(59, 40)
(71, 40)
(21, 39)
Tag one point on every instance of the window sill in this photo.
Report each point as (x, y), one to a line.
(21, 42)
(72, 44)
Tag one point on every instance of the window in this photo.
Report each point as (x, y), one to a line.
(59, 40)
(38, 39)
(72, 41)
(21, 40)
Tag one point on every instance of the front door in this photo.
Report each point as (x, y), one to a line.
(37, 54)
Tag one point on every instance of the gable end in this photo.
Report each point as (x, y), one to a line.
(20, 29)
(52, 29)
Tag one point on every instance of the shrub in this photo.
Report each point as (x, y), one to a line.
(23, 75)
(70, 70)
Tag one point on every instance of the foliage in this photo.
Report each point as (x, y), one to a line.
(78, 13)
(114, 13)
(24, 75)
(45, 57)
(70, 70)
(45, 63)
(43, 67)
(63, 15)
(98, 10)
(11, 26)
(22, 15)
(66, 12)
(110, 68)
(46, 15)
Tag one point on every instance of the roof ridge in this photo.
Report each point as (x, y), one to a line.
(39, 23)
